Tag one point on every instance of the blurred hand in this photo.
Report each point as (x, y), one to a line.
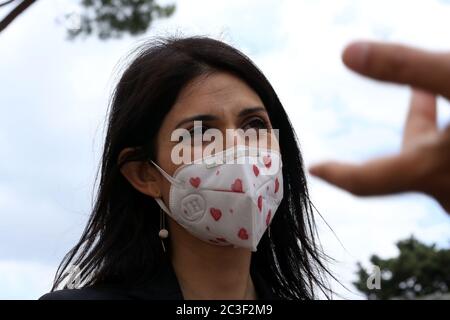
(423, 164)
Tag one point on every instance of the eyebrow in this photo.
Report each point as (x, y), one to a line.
(251, 110)
(209, 117)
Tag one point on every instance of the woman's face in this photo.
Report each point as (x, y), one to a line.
(220, 101)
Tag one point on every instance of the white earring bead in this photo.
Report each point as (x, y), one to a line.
(163, 233)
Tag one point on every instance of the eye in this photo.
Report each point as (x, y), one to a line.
(256, 123)
(197, 131)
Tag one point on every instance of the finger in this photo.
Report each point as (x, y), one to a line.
(401, 64)
(422, 116)
(376, 177)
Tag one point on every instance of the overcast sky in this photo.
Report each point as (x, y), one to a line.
(54, 95)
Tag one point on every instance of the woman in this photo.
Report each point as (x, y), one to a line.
(127, 251)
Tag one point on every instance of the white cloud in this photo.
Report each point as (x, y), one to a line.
(26, 280)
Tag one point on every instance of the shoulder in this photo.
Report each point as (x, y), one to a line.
(88, 293)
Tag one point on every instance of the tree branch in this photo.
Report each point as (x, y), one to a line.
(10, 17)
(4, 3)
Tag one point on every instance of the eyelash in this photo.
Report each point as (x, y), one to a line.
(263, 124)
(203, 128)
(258, 123)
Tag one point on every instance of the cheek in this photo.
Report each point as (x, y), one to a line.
(164, 152)
(163, 157)
(196, 151)
(273, 141)
(269, 140)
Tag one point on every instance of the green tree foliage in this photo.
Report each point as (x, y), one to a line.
(114, 18)
(417, 271)
(105, 18)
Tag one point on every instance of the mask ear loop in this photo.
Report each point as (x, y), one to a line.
(163, 232)
(170, 179)
(165, 174)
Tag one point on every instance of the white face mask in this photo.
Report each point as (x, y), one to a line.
(227, 203)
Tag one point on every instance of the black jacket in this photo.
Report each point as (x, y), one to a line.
(163, 286)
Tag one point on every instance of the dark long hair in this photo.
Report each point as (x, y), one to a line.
(120, 242)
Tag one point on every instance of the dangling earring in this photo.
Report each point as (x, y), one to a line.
(269, 231)
(163, 232)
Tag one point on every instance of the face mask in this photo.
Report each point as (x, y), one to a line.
(227, 199)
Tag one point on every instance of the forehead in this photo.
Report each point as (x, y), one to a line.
(216, 93)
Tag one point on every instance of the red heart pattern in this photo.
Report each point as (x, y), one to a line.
(232, 181)
(243, 234)
(195, 182)
(260, 203)
(237, 186)
(269, 215)
(267, 161)
(215, 213)
(277, 185)
(255, 170)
